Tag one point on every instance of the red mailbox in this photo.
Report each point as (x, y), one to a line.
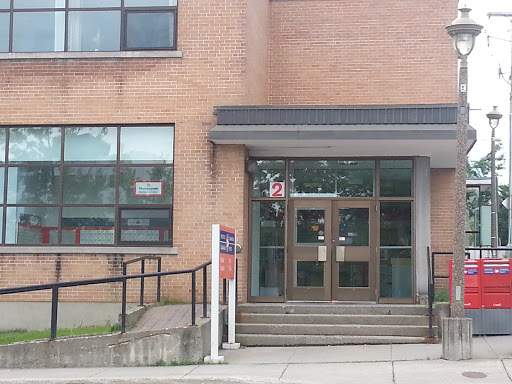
(472, 291)
(496, 283)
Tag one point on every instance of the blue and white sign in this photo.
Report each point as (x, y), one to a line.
(227, 241)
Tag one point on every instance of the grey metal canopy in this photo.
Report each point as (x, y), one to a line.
(343, 131)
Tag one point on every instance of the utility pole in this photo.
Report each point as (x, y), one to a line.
(509, 81)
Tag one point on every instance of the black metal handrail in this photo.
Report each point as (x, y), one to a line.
(142, 260)
(431, 294)
(56, 286)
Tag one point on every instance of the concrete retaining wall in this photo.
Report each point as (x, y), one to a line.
(185, 344)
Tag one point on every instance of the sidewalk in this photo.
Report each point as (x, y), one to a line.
(382, 364)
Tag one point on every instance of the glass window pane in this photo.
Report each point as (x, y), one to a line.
(353, 274)
(24, 4)
(31, 225)
(89, 185)
(396, 250)
(147, 144)
(90, 145)
(161, 185)
(354, 224)
(5, 4)
(309, 274)
(88, 225)
(2, 177)
(94, 3)
(34, 144)
(2, 145)
(38, 32)
(145, 225)
(395, 224)
(309, 226)
(395, 272)
(396, 178)
(91, 31)
(267, 272)
(33, 185)
(150, 3)
(4, 31)
(332, 178)
(355, 178)
(150, 30)
(312, 178)
(264, 173)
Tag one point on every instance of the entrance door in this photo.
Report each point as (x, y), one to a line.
(331, 250)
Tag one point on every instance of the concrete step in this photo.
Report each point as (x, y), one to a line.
(323, 329)
(262, 340)
(334, 308)
(271, 318)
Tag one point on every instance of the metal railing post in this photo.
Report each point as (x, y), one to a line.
(236, 284)
(123, 302)
(55, 305)
(141, 300)
(205, 293)
(193, 298)
(430, 294)
(158, 280)
(224, 291)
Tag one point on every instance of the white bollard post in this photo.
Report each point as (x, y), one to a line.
(214, 316)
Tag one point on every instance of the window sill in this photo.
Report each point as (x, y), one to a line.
(91, 55)
(147, 250)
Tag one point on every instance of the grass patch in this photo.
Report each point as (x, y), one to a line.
(7, 337)
(161, 363)
(168, 301)
(442, 296)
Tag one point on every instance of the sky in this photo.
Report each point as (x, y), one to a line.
(485, 88)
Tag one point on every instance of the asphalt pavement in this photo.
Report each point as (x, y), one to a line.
(358, 364)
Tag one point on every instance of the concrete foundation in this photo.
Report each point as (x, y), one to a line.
(457, 338)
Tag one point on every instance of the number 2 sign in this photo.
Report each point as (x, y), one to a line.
(277, 189)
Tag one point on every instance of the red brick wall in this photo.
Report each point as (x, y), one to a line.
(345, 52)
(312, 51)
(442, 202)
(209, 185)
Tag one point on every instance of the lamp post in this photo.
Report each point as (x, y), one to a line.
(464, 31)
(494, 119)
(457, 331)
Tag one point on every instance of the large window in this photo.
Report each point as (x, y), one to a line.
(86, 185)
(87, 25)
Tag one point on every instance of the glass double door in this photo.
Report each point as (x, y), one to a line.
(332, 250)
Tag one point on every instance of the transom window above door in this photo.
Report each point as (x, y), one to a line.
(331, 178)
(87, 25)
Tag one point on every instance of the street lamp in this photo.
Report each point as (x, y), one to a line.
(494, 119)
(464, 31)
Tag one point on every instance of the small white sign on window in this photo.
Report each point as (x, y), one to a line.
(277, 189)
(148, 188)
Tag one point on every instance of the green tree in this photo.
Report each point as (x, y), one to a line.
(482, 168)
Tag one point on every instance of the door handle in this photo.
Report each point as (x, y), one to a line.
(322, 253)
(340, 253)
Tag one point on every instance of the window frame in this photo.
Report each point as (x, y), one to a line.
(62, 165)
(123, 24)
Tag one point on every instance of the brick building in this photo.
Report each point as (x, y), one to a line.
(323, 131)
